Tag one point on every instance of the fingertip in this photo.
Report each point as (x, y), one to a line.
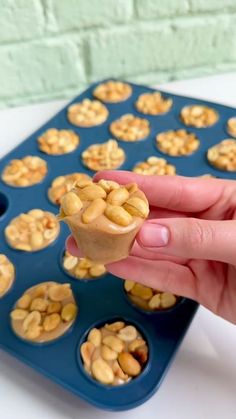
(72, 247)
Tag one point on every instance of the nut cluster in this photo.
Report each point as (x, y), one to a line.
(154, 166)
(118, 204)
(231, 126)
(62, 184)
(114, 353)
(112, 91)
(223, 155)
(87, 113)
(57, 142)
(44, 312)
(130, 128)
(177, 143)
(148, 298)
(7, 274)
(103, 156)
(153, 103)
(82, 268)
(198, 116)
(32, 231)
(25, 172)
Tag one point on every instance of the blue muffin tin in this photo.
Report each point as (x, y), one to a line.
(100, 300)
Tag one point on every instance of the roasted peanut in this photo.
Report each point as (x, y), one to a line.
(95, 337)
(59, 292)
(102, 371)
(54, 307)
(86, 351)
(115, 327)
(114, 343)
(39, 304)
(168, 299)
(128, 333)
(141, 291)
(32, 320)
(155, 301)
(51, 322)
(89, 193)
(97, 270)
(69, 312)
(129, 285)
(94, 210)
(108, 185)
(135, 344)
(19, 314)
(129, 364)
(137, 207)
(108, 354)
(118, 215)
(118, 196)
(71, 203)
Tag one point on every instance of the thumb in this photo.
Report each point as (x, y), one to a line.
(191, 238)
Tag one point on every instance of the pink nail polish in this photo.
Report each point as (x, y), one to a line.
(154, 235)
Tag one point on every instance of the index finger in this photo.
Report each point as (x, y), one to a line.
(173, 192)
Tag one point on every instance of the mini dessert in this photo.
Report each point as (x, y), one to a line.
(25, 172)
(148, 298)
(199, 116)
(115, 353)
(62, 184)
(130, 128)
(7, 274)
(112, 91)
(44, 312)
(153, 103)
(177, 143)
(87, 113)
(231, 126)
(82, 268)
(154, 166)
(32, 231)
(104, 218)
(103, 156)
(57, 142)
(223, 155)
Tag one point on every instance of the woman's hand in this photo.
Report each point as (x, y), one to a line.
(188, 244)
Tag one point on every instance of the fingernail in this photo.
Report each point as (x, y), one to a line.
(154, 235)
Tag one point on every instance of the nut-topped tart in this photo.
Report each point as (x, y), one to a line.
(104, 218)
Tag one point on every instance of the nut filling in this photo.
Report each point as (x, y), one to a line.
(198, 116)
(25, 172)
(82, 268)
(223, 155)
(153, 103)
(57, 142)
(44, 312)
(7, 274)
(103, 156)
(149, 299)
(32, 231)
(177, 143)
(130, 128)
(87, 113)
(231, 126)
(62, 184)
(115, 353)
(154, 166)
(104, 218)
(112, 91)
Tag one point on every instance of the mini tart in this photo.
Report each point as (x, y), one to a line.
(87, 113)
(7, 275)
(103, 156)
(25, 172)
(112, 91)
(153, 103)
(130, 128)
(104, 218)
(62, 184)
(82, 268)
(154, 166)
(32, 231)
(199, 116)
(44, 312)
(115, 353)
(58, 142)
(149, 299)
(223, 155)
(231, 126)
(177, 143)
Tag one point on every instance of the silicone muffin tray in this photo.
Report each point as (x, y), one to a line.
(102, 300)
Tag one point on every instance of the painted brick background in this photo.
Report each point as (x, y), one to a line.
(54, 48)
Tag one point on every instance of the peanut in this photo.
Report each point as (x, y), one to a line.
(95, 337)
(118, 196)
(59, 292)
(32, 320)
(86, 351)
(118, 215)
(168, 299)
(155, 301)
(114, 343)
(89, 193)
(141, 291)
(128, 285)
(71, 203)
(39, 304)
(19, 314)
(24, 301)
(128, 333)
(54, 307)
(108, 354)
(129, 364)
(102, 371)
(137, 207)
(94, 210)
(97, 270)
(115, 327)
(51, 322)
(69, 312)
(135, 344)
(108, 185)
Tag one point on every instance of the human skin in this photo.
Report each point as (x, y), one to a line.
(188, 244)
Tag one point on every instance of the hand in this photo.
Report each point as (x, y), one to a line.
(188, 244)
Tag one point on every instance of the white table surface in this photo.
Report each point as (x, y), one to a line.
(201, 383)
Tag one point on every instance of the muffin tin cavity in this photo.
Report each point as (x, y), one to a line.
(153, 103)
(130, 128)
(112, 91)
(7, 274)
(154, 166)
(105, 156)
(199, 116)
(63, 184)
(81, 268)
(58, 142)
(25, 172)
(4, 203)
(177, 143)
